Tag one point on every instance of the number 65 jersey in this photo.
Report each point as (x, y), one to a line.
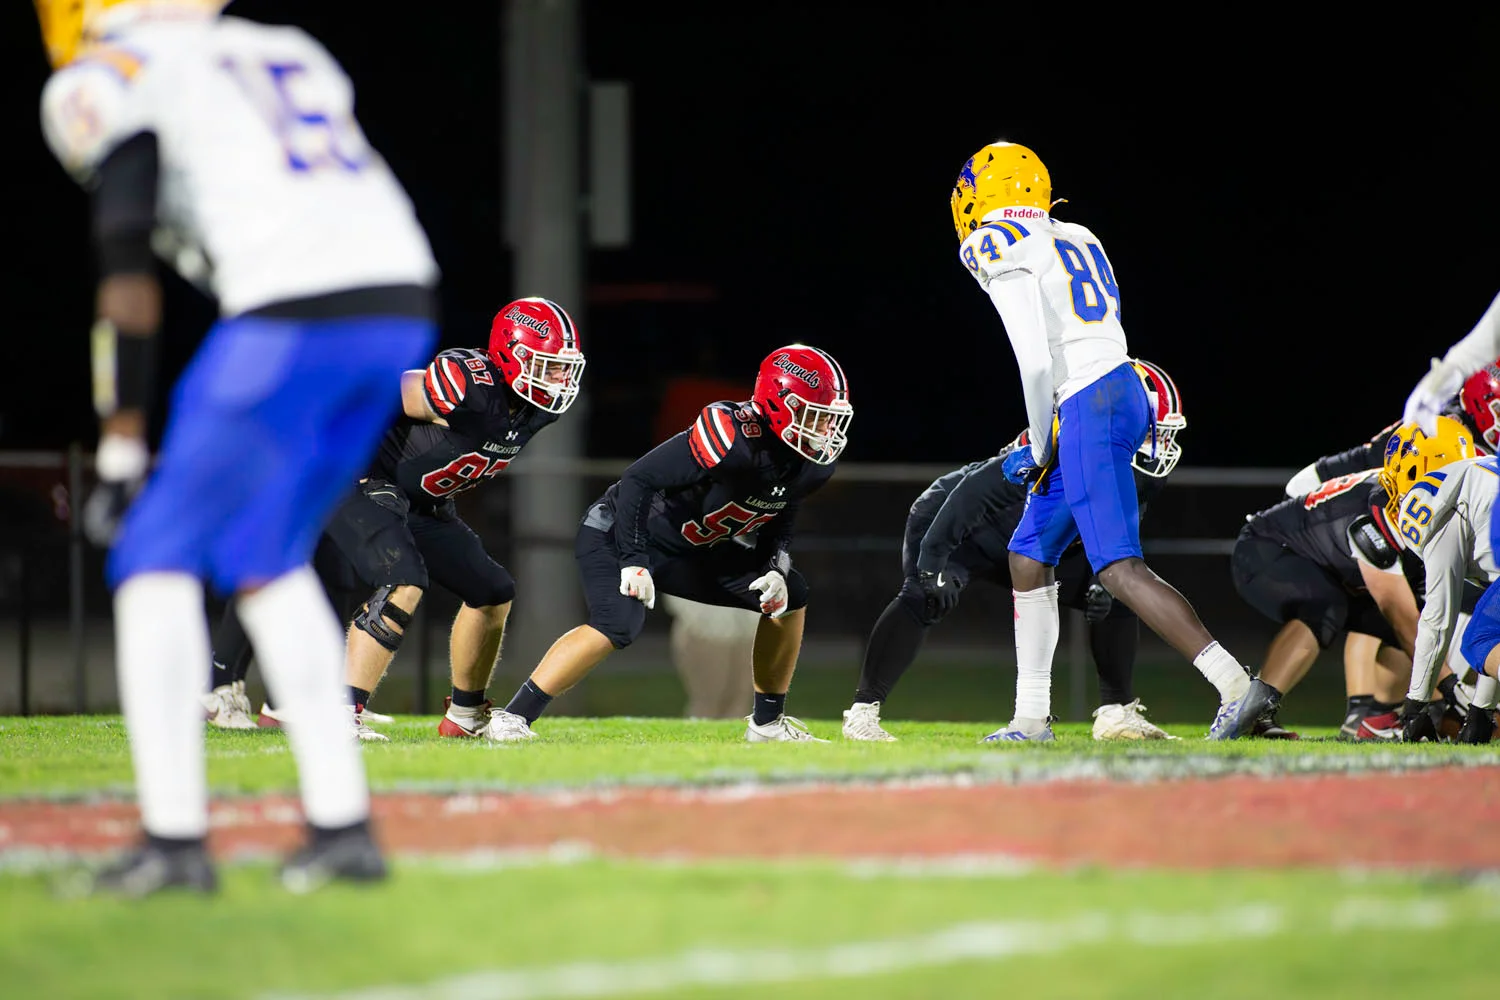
(1445, 516)
(268, 190)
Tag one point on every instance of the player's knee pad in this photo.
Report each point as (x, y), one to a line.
(372, 619)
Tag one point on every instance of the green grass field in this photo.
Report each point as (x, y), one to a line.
(579, 925)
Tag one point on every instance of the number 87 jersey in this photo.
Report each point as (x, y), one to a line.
(1055, 290)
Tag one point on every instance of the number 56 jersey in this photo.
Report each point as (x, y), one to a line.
(268, 188)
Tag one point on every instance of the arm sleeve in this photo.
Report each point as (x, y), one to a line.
(983, 491)
(1018, 300)
(1443, 558)
(1480, 347)
(123, 206)
(669, 466)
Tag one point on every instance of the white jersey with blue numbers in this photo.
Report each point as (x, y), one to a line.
(268, 188)
(1445, 518)
(1055, 291)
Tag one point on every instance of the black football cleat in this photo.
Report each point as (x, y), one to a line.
(1262, 699)
(1478, 729)
(153, 867)
(1269, 727)
(349, 855)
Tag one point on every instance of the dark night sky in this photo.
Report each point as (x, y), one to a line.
(1296, 221)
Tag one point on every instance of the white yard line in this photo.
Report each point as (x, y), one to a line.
(976, 941)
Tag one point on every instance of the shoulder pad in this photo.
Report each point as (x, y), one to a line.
(1371, 543)
(1414, 519)
(450, 376)
(87, 110)
(719, 427)
(984, 248)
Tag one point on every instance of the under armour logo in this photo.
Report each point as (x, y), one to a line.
(777, 491)
(511, 435)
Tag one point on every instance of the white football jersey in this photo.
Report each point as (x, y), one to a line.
(268, 188)
(1055, 290)
(1445, 517)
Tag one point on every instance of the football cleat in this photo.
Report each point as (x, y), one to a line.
(784, 729)
(1478, 728)
(1126, 722)
(228, 707)
(267, 718)
(1237, 717)
(1385, 726)
(862, 722)
(1268, 727)
(1349, 729)
(152, 868)
(1014, 733)
(373, 717)
(349, 855)
(459, 722)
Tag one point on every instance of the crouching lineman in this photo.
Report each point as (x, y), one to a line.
(960, 527)
(670, 525)
(1447, 516)
(1331, 561)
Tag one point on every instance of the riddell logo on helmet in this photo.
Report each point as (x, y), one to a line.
(521, 317)
(786, 364)
(1023, 212)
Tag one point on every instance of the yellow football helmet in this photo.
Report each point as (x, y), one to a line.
(999, 175)
(1411, 455)
(65, 23)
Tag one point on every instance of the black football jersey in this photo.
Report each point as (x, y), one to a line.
(1317, 526)
(725, 477)
(429, 462)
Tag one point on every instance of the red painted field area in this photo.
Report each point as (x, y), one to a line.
(1427, 819)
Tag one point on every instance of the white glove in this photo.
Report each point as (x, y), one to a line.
(772, 589)
(1430, 396)
(635, 581)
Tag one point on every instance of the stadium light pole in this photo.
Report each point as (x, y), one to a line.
(544, 85)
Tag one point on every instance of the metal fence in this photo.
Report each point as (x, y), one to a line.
(56, 642)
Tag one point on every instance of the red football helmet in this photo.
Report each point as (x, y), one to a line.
(1158, 454)
(1480, 397)
(802, 392)
(535, 345)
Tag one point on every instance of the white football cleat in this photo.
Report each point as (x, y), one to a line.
(373, 717)
(507, 727)
(228, 707)
(862, 722)
(1126, 722)
(361, 731)
(785, 729)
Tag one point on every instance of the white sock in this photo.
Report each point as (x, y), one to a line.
(1223, 672)
(1037, 628)
(1486, 690)
(161, 649)
(300, 649)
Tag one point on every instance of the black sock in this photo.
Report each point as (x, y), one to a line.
(326, 833)
(174, 844)
(468, 699)
(1358, 703)
(222, 675)
(358, 696)
(529, 702)
(768, 708)
(1446, 686)
(893, 645)
(1383, 707)
(1113, 643)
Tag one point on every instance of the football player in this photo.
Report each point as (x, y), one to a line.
(1446, 515)
(231, 149)
(1089, 411)
(959, 528)
(465, 418)
(1331, 561)
(669, 525)
(1463, 359)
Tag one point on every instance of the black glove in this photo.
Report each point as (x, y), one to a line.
(105, 508)
(1099, 602)
(1416, 722)
(940, 592)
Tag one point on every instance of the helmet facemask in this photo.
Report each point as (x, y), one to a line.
(548, 381)
(817, 431)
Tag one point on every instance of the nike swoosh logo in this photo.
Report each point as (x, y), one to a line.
(940, 580)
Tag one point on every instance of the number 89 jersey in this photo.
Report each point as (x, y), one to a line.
(1079, 301)
(268, 190)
